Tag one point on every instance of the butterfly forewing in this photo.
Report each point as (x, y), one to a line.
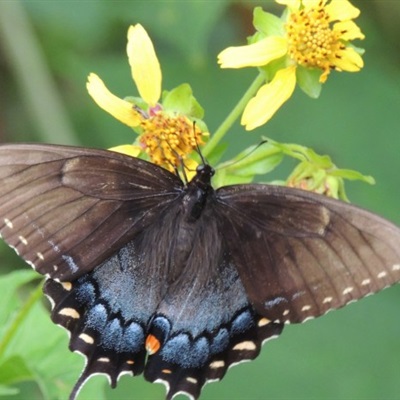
(66, 209)
(300, 255)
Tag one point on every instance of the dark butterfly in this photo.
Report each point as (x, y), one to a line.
(180, 281)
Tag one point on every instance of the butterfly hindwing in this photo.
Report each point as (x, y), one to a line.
(300, 254)
(66, 209)
(191, 314)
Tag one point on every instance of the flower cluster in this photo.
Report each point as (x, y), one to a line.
(312, 36)
(302, 47)
(167, 134)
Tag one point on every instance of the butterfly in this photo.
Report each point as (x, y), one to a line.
(178, 280)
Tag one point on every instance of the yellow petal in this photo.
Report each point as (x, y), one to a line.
(118, 108)
(269, 98)
(128, 149)
(190, 168)
(341, 10)
(349, 30)
(145, 68)
(312, 3)
(253, 55)
(348, 60)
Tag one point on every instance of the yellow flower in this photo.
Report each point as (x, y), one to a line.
(120, 109)
(314, 37)
(167, 136)
(146, 73)
(127, 149)
(145, 68)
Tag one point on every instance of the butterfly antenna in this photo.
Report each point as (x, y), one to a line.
(185, 177)
(230, 163)
(181, 163)
(140, 111)
(166, 158)
(203, 160)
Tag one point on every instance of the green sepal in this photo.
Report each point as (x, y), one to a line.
(359, 50)
(273, 67)
(182, 101)
(318, 173)
(267, 24)
(138, 102)
(308, 81)
(352, 175)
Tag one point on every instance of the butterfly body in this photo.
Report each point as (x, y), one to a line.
(178, 280)
(197, 192)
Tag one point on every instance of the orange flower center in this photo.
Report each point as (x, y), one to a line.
(168, 140)
(311, 40)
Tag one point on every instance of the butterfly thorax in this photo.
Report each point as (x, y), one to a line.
(197, 191)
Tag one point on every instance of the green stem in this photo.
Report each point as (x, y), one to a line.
(20, 317)
(233, 115)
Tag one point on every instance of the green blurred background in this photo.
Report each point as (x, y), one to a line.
(47, 49)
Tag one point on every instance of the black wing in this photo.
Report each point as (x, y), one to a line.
(194, 328)
(66, 209)
(300, 254)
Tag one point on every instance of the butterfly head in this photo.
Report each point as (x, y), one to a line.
(202, 179)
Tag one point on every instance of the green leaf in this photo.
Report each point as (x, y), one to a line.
(268, 24)
(317, 172)
(353, 175)
(222, 178)
(14, 369)
(181, 100)
(256, 160)
(308, 80)
(44, 346)
(8, 287)
(8, 391)
(33, 348)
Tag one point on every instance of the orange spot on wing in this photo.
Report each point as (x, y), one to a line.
(152, 344)
(166, 371)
